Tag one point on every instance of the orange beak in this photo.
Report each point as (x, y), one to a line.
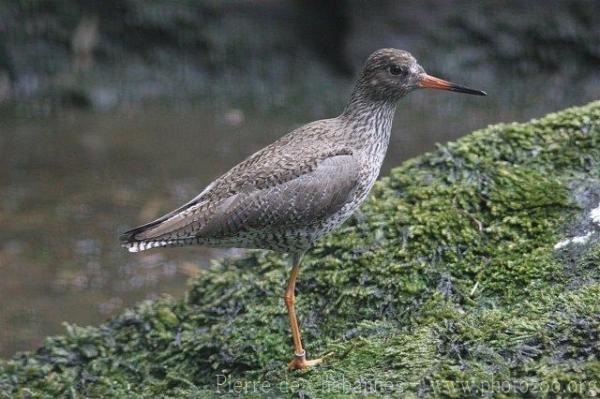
(430, 82)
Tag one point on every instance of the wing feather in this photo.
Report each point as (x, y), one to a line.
(298, 179)
(316, 194)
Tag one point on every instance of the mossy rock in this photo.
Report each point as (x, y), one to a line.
(473, 270)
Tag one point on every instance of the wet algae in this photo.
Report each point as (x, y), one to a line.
(447, 284)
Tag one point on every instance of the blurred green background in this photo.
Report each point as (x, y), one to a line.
(113, 112)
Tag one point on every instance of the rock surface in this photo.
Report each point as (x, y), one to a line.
(455, 281)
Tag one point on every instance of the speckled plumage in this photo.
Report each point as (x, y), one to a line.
(292, 192)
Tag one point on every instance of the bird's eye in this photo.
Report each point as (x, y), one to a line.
(396, 70)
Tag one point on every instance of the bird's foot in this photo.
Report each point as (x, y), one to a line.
(299, 361)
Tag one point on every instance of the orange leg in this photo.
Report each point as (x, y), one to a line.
(299, 361)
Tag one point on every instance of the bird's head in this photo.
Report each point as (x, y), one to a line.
(389, 74)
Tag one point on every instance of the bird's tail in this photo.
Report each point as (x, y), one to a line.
(134, 241)
(160, 232)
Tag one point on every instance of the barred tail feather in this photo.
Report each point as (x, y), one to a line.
(133, 243)
(130, 241)
(138, 246)
(149, 235)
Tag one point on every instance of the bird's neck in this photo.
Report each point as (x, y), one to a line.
(371, 120)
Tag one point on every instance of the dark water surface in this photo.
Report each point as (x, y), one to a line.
(70, 182)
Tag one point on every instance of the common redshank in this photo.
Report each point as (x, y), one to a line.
(291, 193)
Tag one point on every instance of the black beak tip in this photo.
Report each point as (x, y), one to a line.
(466, 90)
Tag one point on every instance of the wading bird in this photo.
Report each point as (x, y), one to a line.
(291, 193)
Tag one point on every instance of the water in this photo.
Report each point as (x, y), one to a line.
(70, 182)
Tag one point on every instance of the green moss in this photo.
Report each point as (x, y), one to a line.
(448, 285)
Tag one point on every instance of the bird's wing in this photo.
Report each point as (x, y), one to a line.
(301, 201)
(265, 191)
